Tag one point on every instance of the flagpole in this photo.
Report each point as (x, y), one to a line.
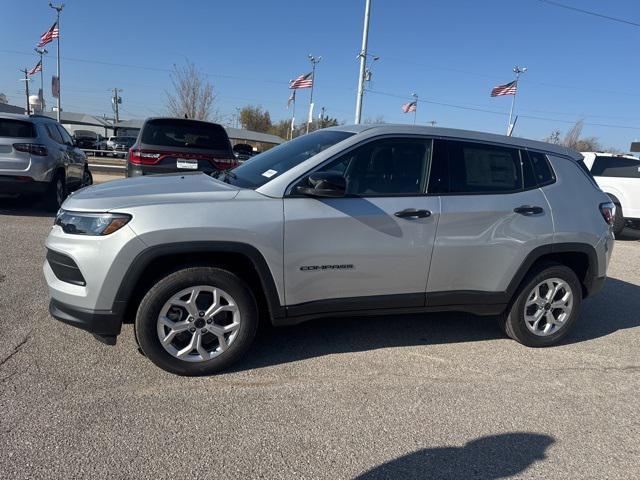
(58, 9)
(41, 52)
(314, 61)
(517, 70)
(293, 116)
(415, 112)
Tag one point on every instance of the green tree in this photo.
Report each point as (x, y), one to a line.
(256, 119)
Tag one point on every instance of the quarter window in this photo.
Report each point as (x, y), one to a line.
(395, 166)
(480, 168)
(541, 169)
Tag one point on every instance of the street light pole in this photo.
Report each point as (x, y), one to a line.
(41, 52)
(314, 61)
(58, 9)
(517, 70)
(363, 61)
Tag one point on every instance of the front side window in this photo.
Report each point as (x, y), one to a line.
(480, 168)
(66, 138)
(395, 166)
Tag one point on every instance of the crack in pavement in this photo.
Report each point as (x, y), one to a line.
(17, 348)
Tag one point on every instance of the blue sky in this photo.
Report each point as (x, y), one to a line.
(448, 51)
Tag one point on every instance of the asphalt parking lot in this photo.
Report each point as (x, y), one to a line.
(433, 396)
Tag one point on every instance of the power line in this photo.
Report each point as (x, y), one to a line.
(496, 112)
(588, 12)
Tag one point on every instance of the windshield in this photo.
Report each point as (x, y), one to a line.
(272, 163)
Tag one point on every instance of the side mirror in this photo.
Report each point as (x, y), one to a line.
(324, 184)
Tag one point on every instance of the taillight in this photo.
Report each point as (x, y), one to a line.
(140, 157)
(32, 148)
(608, 211)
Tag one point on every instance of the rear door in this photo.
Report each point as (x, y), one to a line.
(364, 250)
(75, 155)
(493, 215)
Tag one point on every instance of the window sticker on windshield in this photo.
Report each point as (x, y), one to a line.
(269, 173)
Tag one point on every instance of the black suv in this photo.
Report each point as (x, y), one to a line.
(168, 145)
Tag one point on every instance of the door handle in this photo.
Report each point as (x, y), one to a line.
(413, 213)
(528, 210)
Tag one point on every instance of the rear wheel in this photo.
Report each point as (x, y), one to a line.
(545, 307)
(56, 192)
(197, 321)
(618, 221)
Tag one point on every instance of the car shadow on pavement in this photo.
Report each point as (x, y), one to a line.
(24, 207)
(617, 307)
(490, 457)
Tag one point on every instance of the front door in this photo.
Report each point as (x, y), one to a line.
(372, 248)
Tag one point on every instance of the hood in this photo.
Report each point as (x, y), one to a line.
(150, 190)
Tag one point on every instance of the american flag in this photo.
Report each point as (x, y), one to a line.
(36, 69)
(506, 89)
(409, 107)
(49, 35)
(303, 81)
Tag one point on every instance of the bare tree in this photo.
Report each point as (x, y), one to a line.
(3, 98)
(192, 95)
(554, 137)
(573, 135)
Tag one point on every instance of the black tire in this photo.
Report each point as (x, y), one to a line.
(151, 305)
(87, 177)
(513, 321)
(56, 192)
(619, 221)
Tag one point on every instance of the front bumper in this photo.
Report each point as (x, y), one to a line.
(105, 325)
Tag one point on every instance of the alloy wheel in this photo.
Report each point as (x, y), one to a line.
(548, 307)
(198, 323)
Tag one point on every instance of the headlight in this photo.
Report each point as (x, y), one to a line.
(93, 224)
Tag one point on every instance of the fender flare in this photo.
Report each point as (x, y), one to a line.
(144, 259)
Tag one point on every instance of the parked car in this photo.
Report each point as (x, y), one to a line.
(619, 177)
(102, 146)
(86, 140)
(167, 145)
(349, 220)
(38, 156)
(243, 152)
(121, 145)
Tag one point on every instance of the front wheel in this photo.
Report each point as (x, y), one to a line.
(197, 321)
(545, 307)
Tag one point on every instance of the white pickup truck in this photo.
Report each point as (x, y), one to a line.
(619, 177)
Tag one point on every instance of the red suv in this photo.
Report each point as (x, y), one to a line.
(169, 145)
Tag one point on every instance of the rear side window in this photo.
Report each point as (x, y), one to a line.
(16, 128)
(53, 132)
(616, 167)
(185, 134)
(480, 168)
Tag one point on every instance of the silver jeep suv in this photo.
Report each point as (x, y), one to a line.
(38, 156)
(348, 220)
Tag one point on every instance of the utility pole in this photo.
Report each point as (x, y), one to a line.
(41, 52)
(314, 61)
(321, 122)
(26, 88)
(116, 100)
(363, 61)
(517, 70)
(433, 123)
(58, 9)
